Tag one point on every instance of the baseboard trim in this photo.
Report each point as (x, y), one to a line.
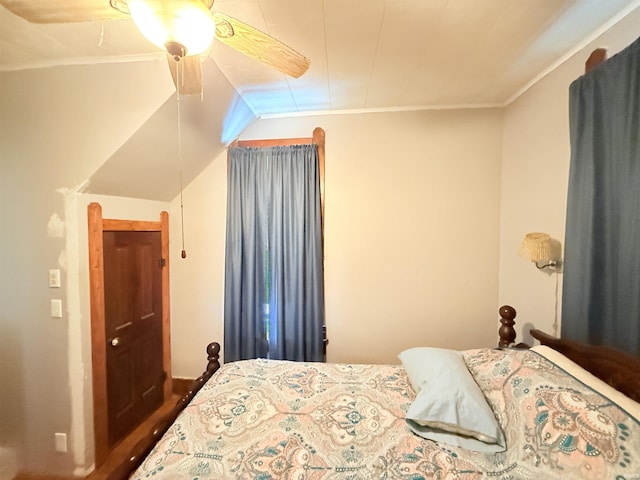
(22, 475)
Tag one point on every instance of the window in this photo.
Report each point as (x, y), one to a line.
(274, 283)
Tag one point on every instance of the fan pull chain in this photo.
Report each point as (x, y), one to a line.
(101, 35)
(184, 252)
(181, 73)
(201, 85)
(181, 62)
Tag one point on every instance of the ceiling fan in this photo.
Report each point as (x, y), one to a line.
(160, 21)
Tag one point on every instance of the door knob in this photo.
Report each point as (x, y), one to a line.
(115, 341)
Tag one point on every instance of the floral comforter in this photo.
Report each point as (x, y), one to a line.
(266, 419)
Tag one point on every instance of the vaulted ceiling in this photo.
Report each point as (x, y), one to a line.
(366, 55)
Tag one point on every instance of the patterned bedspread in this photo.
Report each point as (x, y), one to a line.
(266, 419)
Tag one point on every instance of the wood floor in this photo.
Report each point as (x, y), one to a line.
(119, 452)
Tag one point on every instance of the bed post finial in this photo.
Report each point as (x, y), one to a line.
(213, 356)
(506, 331)
(598, 56)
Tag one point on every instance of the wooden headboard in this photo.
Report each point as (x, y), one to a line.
(618, 369)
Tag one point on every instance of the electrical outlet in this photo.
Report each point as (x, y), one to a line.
(56, 308)
(61, 442)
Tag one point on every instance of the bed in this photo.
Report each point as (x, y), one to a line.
(266, 419)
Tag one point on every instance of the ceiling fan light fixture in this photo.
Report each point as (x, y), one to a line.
(164, 23)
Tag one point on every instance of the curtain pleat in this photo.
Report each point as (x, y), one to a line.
(274, 248)
(601, 288)
(244, 336)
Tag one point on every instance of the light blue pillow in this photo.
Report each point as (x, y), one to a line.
(449, 406)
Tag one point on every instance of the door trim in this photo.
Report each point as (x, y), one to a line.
(97, 225)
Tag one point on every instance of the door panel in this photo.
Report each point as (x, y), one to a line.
(133, 328)
(150, 320)
(124, 403)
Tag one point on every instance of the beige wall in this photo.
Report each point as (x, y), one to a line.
(535, 170)
(197, 281)
(57, 126)
(411, 235)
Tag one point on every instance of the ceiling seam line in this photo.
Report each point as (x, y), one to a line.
(375, 56)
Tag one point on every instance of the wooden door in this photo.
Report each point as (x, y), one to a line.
(133, 328)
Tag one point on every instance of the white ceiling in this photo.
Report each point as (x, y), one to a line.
(365, 54)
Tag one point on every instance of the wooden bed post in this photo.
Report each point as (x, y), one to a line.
(598, 56)
(506, 332)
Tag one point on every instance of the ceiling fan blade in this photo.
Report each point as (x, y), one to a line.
(260, 46)
(186, 74)
(63, 11)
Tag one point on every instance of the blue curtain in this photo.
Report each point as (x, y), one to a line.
(601, 289)
(274, 288)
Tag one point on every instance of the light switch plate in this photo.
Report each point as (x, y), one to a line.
(56, 308)
(54, 278)
(61, 442)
